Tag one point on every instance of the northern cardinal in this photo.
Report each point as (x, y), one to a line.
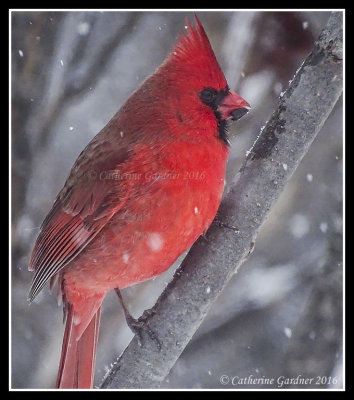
(138, 196)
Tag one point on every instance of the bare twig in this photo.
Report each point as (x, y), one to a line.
(210, 264)
(79, 87)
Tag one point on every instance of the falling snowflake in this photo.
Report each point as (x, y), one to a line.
(126, 257)
(155, 242)
(323, 227)
(288, 332)
(309, 177)
(299, 226)
(83, 28)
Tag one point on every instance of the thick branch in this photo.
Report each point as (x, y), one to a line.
(210, 263)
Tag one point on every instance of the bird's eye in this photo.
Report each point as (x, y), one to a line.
(208, 95)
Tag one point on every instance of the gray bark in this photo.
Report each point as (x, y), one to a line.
(213, 260)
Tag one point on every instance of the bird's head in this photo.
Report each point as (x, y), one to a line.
(188, 94)
(199, 92)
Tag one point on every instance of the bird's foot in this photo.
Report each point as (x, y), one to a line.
(141, 324)
(138, 326)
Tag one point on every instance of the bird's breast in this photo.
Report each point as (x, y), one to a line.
(175, 204)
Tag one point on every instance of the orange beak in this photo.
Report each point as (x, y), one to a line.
(233, 106)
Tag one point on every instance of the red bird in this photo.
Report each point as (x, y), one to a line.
(138, 196)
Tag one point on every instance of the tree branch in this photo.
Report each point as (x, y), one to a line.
(210, 263)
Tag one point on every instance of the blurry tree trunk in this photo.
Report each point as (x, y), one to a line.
(211, 262)
(320, 327)
(31, 78)
(36, 106)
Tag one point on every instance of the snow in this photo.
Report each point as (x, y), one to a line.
(298, 69)
(126, 257)
(288, 332)
(83, 28)
(299, 225)
(285, 166)
(20, 52)
(208, 289)
(309, 177)
(323, 227)
(305, 25)
(155, 242)
(71, 128)
(196, 211)
(121, 133)
(62, 63)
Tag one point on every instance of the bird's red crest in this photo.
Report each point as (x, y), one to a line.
(194, 54)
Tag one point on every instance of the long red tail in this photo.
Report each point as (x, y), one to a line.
(77, 363)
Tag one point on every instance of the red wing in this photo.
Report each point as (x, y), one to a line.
(86, 203)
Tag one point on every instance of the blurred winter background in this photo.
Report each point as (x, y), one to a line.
(281, 315)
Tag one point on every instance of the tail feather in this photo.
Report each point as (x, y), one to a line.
(77, 363)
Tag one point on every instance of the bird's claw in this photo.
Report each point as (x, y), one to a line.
(141, 324)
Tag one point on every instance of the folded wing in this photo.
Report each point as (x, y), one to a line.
(86, 203)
